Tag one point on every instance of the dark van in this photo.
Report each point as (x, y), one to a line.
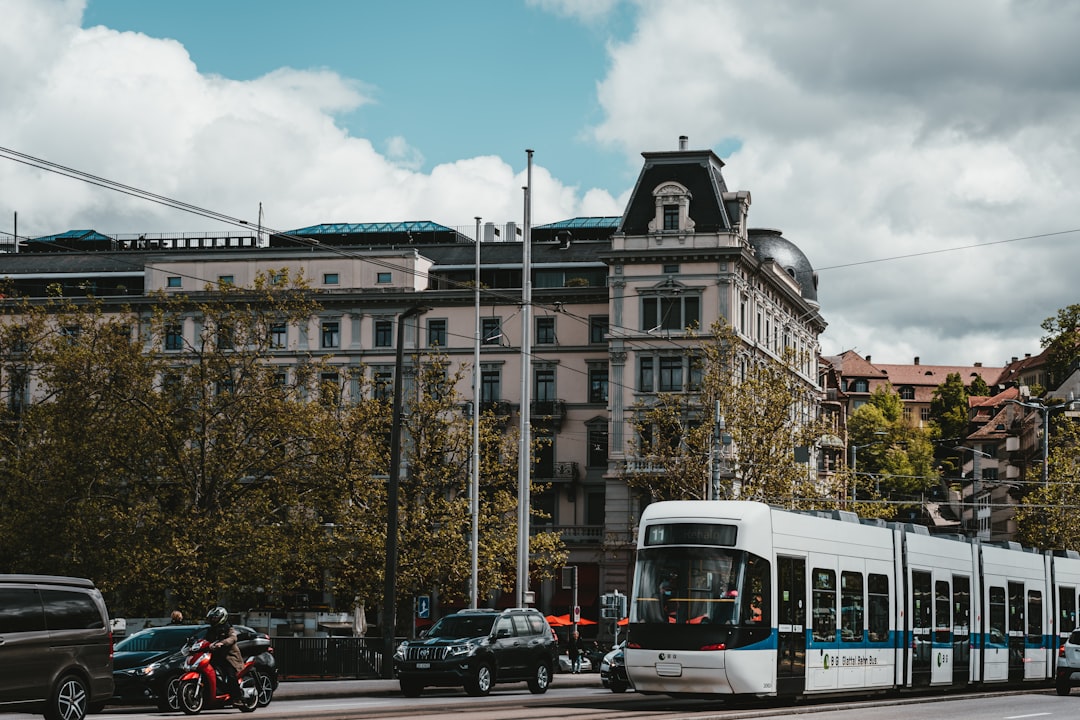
(55, 646)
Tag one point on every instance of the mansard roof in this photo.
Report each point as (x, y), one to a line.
(696, 170)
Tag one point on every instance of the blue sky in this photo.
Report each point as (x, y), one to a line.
(455, 79)
(921, 154)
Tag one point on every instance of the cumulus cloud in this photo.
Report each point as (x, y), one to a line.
(869, 130)
(864, 130)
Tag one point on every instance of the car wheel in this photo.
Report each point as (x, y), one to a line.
(618, 687)
(540, 680)
(481, 681)
(411, 688)
(1063, 686)
(264, 688)
(68, 701)
(169, 698)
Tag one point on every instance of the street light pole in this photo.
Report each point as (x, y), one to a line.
(854, 467)
(976, 477)
(1045, 410)
(474, 489)
(390, 577)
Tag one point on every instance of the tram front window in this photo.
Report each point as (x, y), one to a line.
(696, 585)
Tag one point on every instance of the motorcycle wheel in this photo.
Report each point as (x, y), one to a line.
(250, 699)
(191, 697)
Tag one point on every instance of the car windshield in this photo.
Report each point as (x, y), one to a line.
(462, 626)
(157, 639)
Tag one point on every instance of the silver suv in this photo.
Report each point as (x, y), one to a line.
(55, 646)
(1068, 664)
(478, 648)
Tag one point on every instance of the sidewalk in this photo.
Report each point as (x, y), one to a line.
(311, 689)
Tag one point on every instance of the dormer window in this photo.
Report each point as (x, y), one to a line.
(672, 209)
(671, 217)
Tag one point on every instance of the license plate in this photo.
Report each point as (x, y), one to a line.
(423, 666)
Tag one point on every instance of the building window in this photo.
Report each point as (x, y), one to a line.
(907, 413)
(598, 384)
(545, 331)
(670, 312)
(226, 280)
(225, 336)
(595, 512)
(671, 217)
(860, 386)
(924, 414)
(490, 384)
(436, 333)
(671, 269)
(382, 278)
(279, 335)
(382, 382)
(544, 385)
(277, 278)
(174, 282)
(907, 393)
(645, 373)
(598, 328)
(671, 374)
(174, 337)
(491, 330)
(598, 447)
(330, 278)
(331, 334)
(384, 332)
(19, 394)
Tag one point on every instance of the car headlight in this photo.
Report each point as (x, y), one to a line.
(149, 670)
(462, 650)
(617, 661)
(399, 654)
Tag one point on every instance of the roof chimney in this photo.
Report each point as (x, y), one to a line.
(682, 142)
(867, 358)
(916, 359)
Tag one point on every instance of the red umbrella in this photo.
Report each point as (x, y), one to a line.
(558, 620)
(624, 621)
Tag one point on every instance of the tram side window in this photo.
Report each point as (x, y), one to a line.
(824, 606)
(1067, 603)
(942, 614)
(997, 616)
(1034, 618)
(851, 607)
(756, 597)
(877, 587)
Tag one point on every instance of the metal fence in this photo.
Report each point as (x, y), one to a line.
(328, 657)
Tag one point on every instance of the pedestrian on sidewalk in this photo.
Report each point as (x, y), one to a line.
(573, 652)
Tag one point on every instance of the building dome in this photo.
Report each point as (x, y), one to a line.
(770, 244)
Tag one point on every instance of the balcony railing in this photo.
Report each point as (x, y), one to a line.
(578, 534)
(549, 411)
(558, 472)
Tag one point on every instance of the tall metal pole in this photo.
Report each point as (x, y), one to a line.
(474, 490)
(1046, 447)
(390, 578)
(525, 440)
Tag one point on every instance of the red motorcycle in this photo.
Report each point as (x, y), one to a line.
(202, 687)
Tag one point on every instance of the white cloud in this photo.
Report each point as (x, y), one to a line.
(869, 130)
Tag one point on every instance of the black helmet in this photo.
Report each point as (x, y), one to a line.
(217, 615)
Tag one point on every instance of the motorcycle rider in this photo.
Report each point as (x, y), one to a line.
(225, 653)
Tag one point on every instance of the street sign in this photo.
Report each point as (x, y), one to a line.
(577, 613)
(423, 606)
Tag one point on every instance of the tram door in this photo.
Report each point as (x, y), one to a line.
(922, 626)
(1016, 631)
(791, 625)
(961, 588)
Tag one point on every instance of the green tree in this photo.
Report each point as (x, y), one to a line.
(949, 408)
(763, 402)
(978, 387)
(1062, 341)
(1048, 517)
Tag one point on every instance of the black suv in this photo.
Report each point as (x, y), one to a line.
(55, 646)
(478, 648)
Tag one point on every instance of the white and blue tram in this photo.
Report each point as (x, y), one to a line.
(740, 598)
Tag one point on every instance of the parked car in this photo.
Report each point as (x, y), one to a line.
(55, 646)
(613, 670)
(477, 649)
(1068, 664)
(147, 665)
